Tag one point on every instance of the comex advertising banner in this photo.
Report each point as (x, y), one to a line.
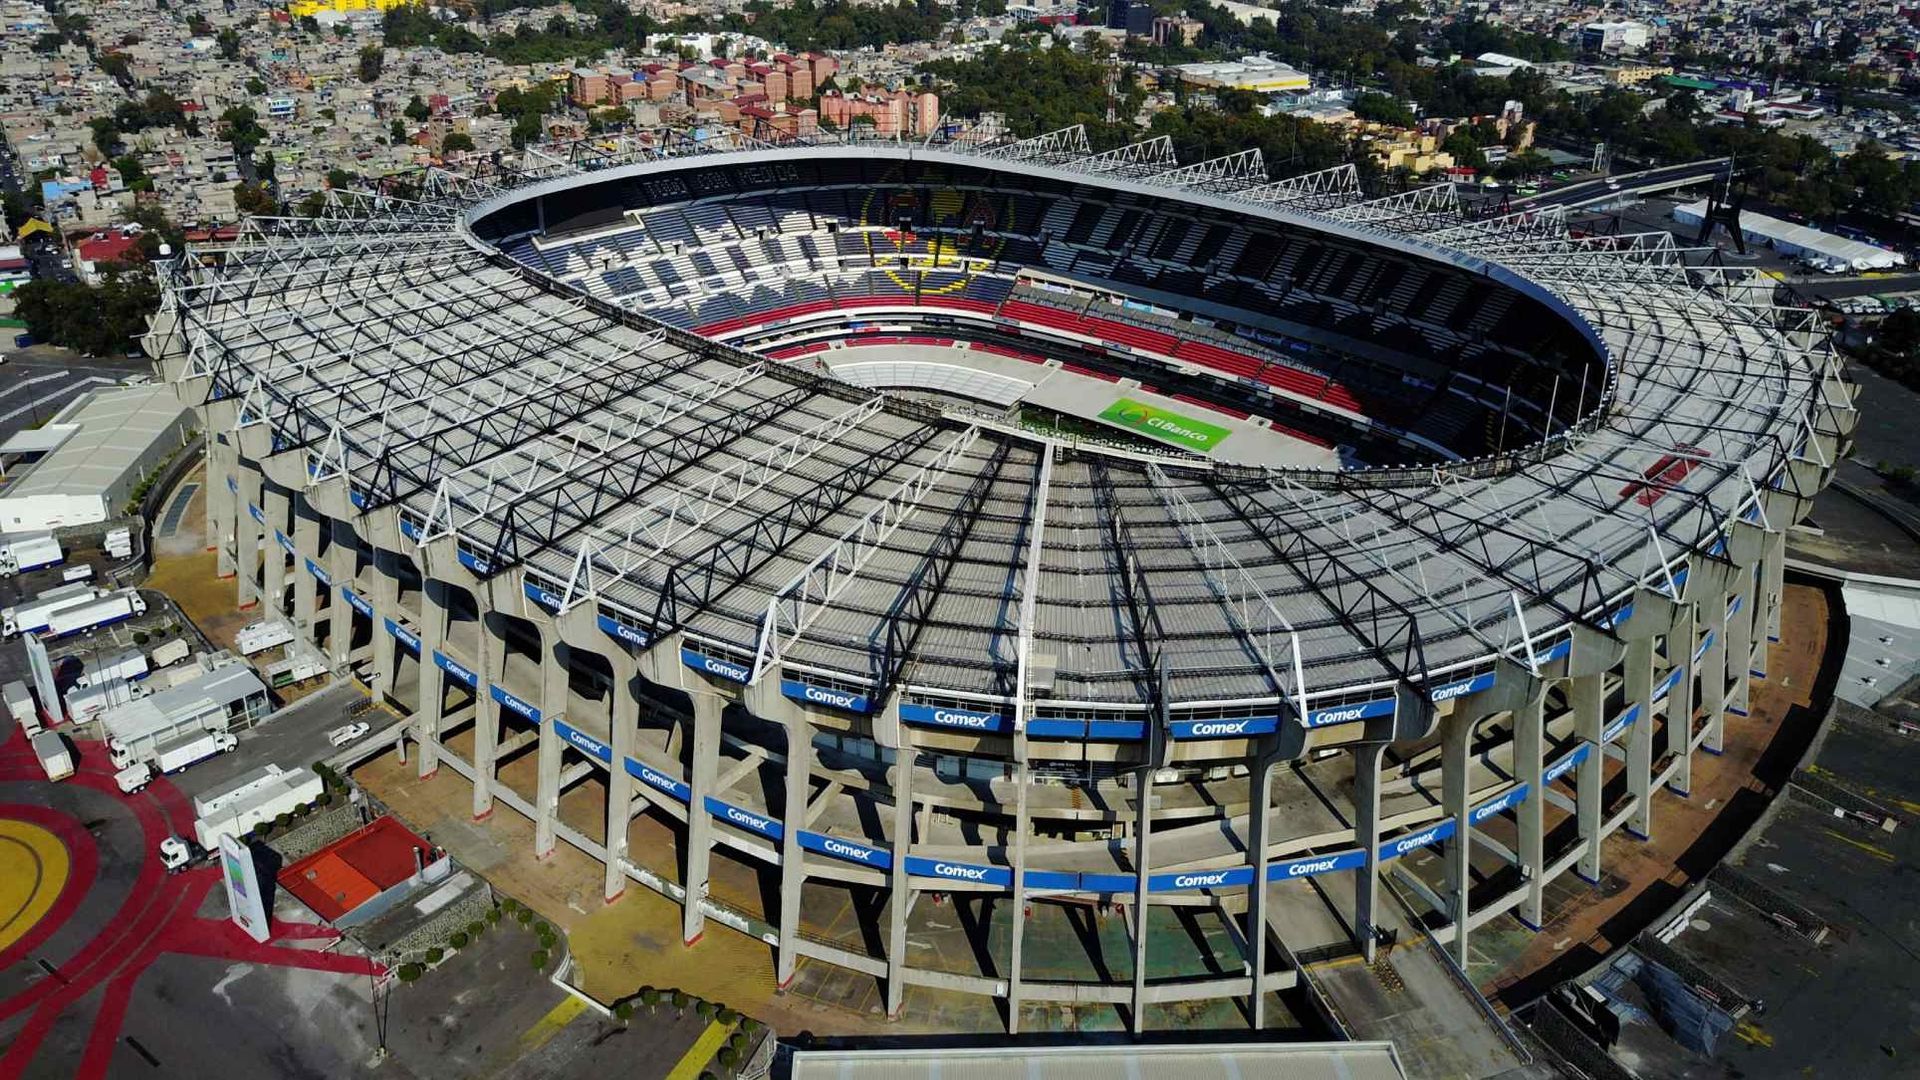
(1165, 425)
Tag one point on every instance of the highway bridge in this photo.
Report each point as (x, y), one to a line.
(1644, 182)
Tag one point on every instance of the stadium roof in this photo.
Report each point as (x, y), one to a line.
(775, 518)
(1223, 1061)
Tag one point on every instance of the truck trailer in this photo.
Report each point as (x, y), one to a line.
(261, 636)
(28, 551)
(178, 753)
(259, 796)
(106, 610)
(55, 759)
(19, 701)
(128, 664)
(169, 654)
(31, 616)
(86, 703)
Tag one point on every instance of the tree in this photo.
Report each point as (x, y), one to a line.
(255, 86)
(372, 59)
(229, 43)
(254, 199)
(417, 110)
(243, 129)
(456, 142)
(106, 135)
(398, 132)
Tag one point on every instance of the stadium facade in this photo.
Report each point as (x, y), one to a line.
(582, 461)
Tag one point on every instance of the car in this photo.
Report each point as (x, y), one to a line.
(341, 736)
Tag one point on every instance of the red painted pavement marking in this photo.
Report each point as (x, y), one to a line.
(160, 916)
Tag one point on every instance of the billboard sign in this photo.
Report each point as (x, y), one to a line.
(244, 898)
(1165, 425)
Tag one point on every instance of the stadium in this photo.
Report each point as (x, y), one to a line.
(1131, 558)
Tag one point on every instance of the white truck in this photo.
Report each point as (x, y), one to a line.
(261, 636)
(82, 572)
(28, 551)
(128, 664)
(132, 779)
(169, 654)
(32, 616)
(55, 759)
(236, 808)
(85, 703)
(19, 701)
(119, 543)
(177, 754)
(110, 608)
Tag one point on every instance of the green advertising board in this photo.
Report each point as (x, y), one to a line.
(1165, 425)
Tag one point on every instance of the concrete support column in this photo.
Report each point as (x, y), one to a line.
(1712, 671)
(793, 868)
(247, 531)
(1529, 767)
(222, 462)
(1680, 640)
(1259, 856)
(1587, 695)
(624, 723)
(1366, 836)
(273, 577)
(1022, 824)
(490, 661)
(553, 707)
(384, 590)
(900, 900)
(1639, 697)
(1773, 585)
(1740, 641)
(342, 558)
(1142, 862)
(704, 764)
(433, 681)
(306, 545)
(1456, 740)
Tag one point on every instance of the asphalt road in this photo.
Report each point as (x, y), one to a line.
(36, 382)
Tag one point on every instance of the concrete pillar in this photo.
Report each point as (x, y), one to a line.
(553, 707)
(1022, 824)
(1456, 740)
(1259, 856)
(1366, 836)
(342, 558)
(384, 594)
(1142, 862)
(1773, 569)
(222, 461)
(1529, 767)
(1639, 696)
(273, 578)
(705, 747)
(625, 722)
(433, 684)
(793, 866)
(1708, 584)
(246, 536)
(1587, 694)
(306, 545)
(900, 901)
(486, 717)
(1680, 700)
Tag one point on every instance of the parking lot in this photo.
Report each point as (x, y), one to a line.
(37, 381)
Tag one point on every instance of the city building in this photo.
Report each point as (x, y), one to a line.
(1176, 30)
(1259, 74)
(1619, 36)
(85, 463)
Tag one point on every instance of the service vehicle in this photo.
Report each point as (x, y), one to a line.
(260, 636)
(82, 572)
(341, 736)
(28, 551)
(128, 664)
(19, 701)
(31, 616)
(133, 778)
(177, 754)
(171, 653)
(55, 759)
(106, 610)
